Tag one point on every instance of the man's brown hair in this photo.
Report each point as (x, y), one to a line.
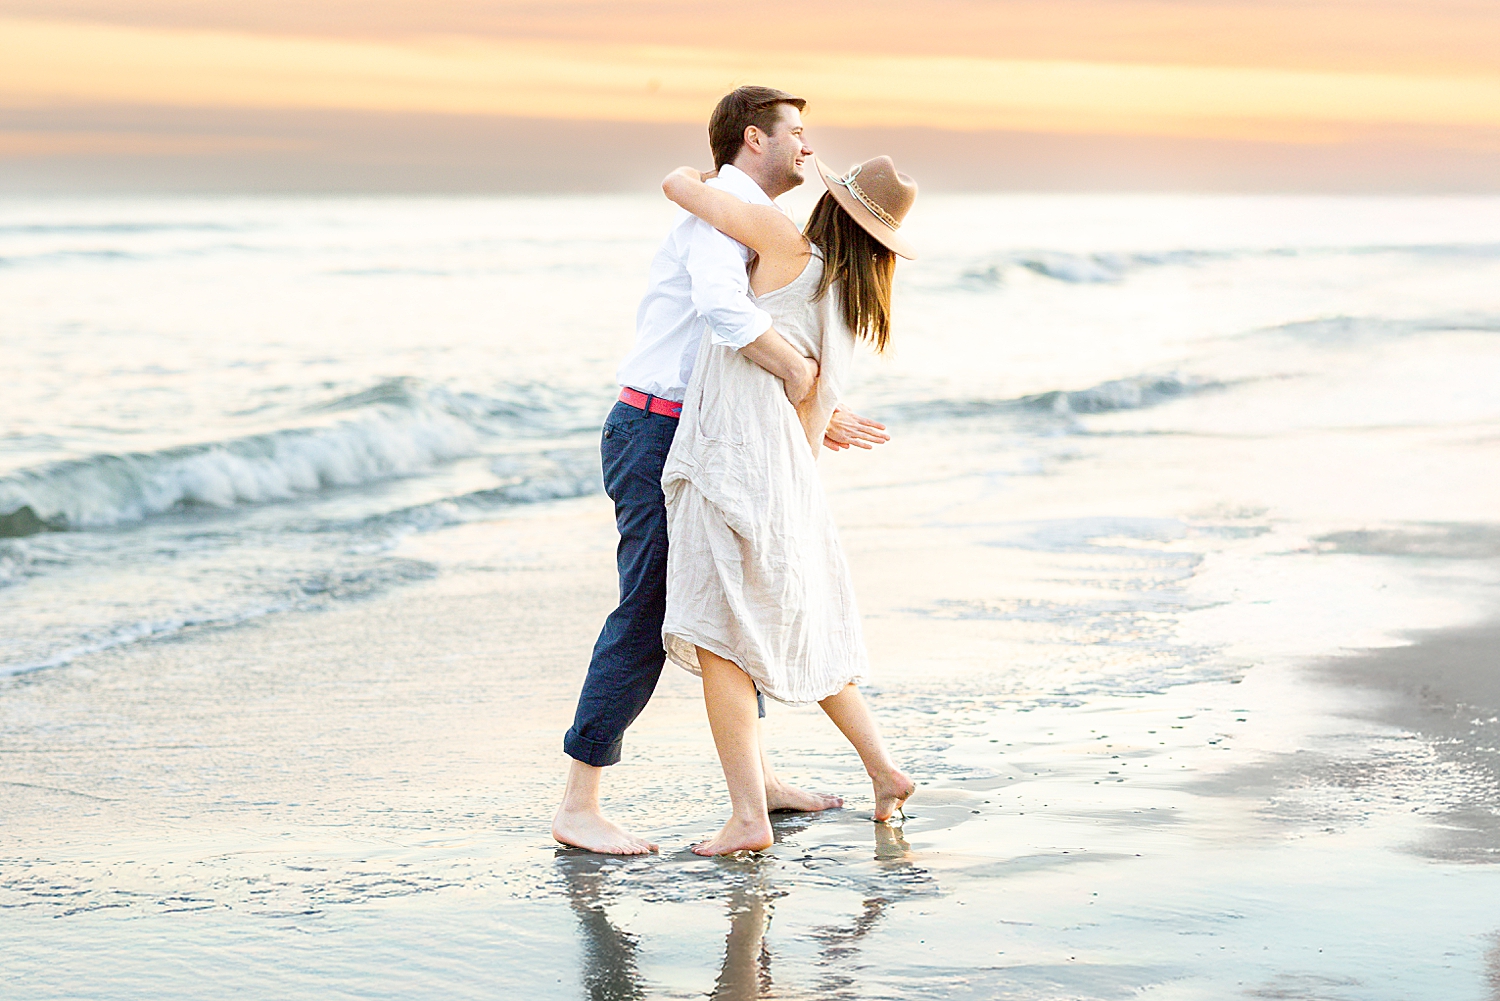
(740, 109)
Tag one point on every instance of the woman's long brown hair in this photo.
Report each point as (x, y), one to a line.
(861, 265)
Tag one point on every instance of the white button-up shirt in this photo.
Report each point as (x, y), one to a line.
(698, 281)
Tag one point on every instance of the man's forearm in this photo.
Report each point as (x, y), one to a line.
(776, 355)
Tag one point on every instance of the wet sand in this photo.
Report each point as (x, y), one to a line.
(1444, 690)
(354, 802)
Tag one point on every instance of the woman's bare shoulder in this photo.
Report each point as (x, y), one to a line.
(780, 267)
(776, 234)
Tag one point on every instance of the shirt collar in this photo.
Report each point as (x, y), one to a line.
(737, 182)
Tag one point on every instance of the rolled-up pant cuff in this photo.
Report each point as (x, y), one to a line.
(592, 752)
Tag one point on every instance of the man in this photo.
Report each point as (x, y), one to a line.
(698, 281)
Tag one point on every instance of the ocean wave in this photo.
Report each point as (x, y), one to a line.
(1479, 250)
(1093, 269)
(105, 490)
(104, 254)
(397, 427)
(306, 591)
(1103, 268)
(24, 521)
(1134, 393)
(385, 272)
(1342, 328)
(557, 475)
(1112, 267)
(402, 391)
(529, 409)
(93, 228)
(13, 563)
(112, 254)
(145, 629)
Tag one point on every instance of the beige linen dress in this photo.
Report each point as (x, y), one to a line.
(755, 572)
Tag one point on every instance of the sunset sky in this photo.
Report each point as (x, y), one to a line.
(497, 95)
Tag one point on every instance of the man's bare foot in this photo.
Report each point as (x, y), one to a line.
(593, 832)
(738, 836)
(790, 799)
(891, 791)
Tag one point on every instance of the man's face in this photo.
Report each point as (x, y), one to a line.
(785, 150)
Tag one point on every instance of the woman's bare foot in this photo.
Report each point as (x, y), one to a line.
(738, 836)
(593, 832)
(790, 799)
(892, 789)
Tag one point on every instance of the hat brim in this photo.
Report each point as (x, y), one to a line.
(867, 220)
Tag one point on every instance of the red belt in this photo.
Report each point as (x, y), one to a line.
(655, 404)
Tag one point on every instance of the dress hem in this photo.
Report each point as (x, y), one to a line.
(714, 647)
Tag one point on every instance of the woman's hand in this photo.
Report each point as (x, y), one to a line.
(679, 183)
(846, 428)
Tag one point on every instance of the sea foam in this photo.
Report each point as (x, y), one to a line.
(105, 490)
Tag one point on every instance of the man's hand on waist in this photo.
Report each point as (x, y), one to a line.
(797, 372)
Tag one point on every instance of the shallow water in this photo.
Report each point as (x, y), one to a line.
(303, 557)
(235, 408)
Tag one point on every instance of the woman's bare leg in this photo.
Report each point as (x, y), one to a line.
(849, 713)
(729, 695)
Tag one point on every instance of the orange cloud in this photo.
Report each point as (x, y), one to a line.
(32, 143)
(1444, 37)
(60, 62)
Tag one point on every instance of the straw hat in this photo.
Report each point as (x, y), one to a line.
(877, 196)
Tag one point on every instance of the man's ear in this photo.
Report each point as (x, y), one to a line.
(753, 137)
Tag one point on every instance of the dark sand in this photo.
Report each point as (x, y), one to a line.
(1445, 687)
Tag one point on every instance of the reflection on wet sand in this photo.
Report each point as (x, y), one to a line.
(891, 847)
(609, 964)
(610, 969)
(746, 971)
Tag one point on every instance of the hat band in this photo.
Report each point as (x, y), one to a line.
(854, 189)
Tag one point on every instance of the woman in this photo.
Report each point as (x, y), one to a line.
(758, 592)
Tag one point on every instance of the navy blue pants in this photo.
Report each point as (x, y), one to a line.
(628, 655)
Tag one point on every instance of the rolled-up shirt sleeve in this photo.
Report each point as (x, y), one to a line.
(721, 289)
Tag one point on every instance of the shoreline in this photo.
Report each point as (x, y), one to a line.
(379, 775)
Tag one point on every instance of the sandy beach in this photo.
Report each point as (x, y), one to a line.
(1179, 576)
(352, 801)
(1179, 579)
